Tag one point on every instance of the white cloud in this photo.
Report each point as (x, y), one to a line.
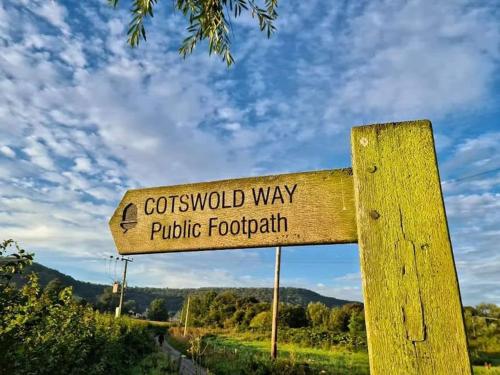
(233, 126)
(395, 60)
(473, 206)
(7, 151)
(86, 117)
(83, 164)
(51, 11)
(39, 154)
(350, 293)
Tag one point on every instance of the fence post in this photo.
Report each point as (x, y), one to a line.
(412, 301)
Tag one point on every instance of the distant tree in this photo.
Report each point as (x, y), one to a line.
(489, 310)
(340, 316)
(318, 314)
(157, 310)
(338, 320)
(293, 316)
(244, 302)
(222, 309)
(199, 307)
(14, 260)
(236, 320)
(483, 328)
(129, 306)
(53, 288)
(357, 328)
(252, 310)
(262, 320)
(207, 19)
(107, 301)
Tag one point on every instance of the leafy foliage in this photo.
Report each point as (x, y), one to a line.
(232, 354)
(49, 332)
(158, 310)
(262, 320)
(13, 260)
(318, 314)
(107, 301)
(208, 20)
(53, 289)
(175, 297)
(483, 331)
(316, 324)
(155, 364)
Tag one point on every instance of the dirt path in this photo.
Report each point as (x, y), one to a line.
(185, 365)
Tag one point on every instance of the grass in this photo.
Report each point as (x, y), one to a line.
(492, 358)
(227, 353)
(296, 358)
(156, 363)
(481, 370)
(179, 343)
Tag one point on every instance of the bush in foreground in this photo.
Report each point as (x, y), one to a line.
(43, 333)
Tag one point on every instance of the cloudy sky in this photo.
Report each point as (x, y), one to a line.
(83, 118)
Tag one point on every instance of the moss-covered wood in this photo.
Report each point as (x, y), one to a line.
(412, 300)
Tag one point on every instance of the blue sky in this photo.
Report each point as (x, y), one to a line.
(83, 118)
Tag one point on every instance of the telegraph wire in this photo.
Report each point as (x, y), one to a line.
(474, 176)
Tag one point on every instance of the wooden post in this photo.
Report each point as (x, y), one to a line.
(187, 316)
(276, 303)
(122, 291)
(412, 301)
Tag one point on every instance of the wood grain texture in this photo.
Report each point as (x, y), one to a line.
(412, 300)
(320, 210)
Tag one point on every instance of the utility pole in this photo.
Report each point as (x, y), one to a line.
(276, 302)
(119, 308)
(187, 317)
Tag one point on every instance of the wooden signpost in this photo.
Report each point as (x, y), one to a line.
(390, 203)
(289, 209)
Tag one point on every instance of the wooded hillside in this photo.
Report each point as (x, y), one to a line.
(175, 297)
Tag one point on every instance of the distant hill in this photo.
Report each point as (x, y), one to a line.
(175, 297)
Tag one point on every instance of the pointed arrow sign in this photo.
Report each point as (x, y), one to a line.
(288, 209)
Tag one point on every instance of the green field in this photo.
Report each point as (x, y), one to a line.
(480, 370)
(233, 354)
(291, 357)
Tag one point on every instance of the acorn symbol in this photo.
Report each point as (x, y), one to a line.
(129, 217)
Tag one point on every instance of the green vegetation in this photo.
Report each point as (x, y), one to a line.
(233, 334)
(158, 310)
(315, 325)
(207, 20)
(47, 331)
(101, 296)
(229, 352)
(155, 364)
(226, 352)
(483, 331)
(229, 355)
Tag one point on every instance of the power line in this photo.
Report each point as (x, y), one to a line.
(473, 176)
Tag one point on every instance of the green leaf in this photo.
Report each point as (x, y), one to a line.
(207, 19)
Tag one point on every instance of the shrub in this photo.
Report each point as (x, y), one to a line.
(262, 320)
(51, 333)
